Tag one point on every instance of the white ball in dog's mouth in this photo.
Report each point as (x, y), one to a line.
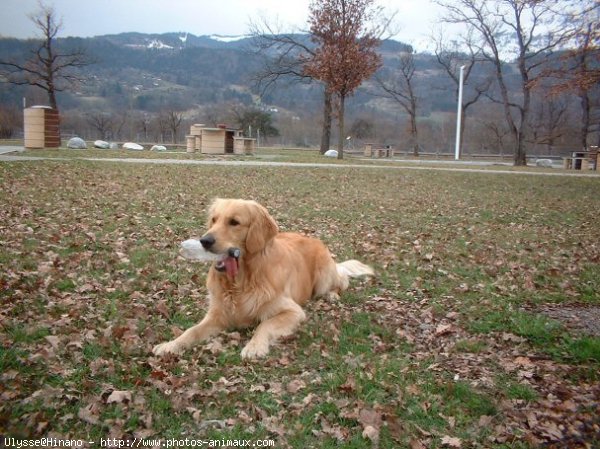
(192, 249)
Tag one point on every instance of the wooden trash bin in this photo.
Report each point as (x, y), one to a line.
(243, 145)
(41, 125)
(196, 129)
(593, 156)
(190, 144)
(585, 164)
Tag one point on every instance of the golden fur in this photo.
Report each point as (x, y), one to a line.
(277, 274)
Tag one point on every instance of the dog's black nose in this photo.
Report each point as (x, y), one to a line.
(207, 241)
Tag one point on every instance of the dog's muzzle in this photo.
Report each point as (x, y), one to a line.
(229, 263)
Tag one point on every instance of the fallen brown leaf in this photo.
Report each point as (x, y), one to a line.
(119, 397)
(295, 386)
(416, 444)
(372, 434)
(451, 441)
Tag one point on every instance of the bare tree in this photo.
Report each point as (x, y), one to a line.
(400, 88)
(496, 132)
(102, 122)
(529, 30)
(362, 128)
(452, 57)
(584, 73)
(143, 122)
(581, 70)
(10, 120)
(161, 128)
(219, 113)
(49, 68)
(170, 120)
(284, 56)
(585, 76)
(120, 119)
(345, 55)
(549, 115)
(577, 70)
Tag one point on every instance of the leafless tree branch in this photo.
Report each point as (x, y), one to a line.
(49, 68)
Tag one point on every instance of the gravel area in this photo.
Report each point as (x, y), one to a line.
(583, 318)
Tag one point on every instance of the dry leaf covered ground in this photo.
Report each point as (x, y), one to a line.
(477, 332)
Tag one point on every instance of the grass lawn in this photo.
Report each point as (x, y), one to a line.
(461, 341)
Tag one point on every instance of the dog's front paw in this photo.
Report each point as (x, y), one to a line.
(254, 350)
(168, 347)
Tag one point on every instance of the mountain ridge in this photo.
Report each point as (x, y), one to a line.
(178, 70)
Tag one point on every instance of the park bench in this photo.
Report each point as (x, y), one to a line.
(378, 152)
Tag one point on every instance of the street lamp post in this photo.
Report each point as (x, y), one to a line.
(459, 113)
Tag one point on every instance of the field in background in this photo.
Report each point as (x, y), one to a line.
(478, 330)
(303, 155)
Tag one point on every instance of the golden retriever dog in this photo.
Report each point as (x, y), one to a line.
(262, 277)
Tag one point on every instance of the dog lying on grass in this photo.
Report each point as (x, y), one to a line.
(262, 277)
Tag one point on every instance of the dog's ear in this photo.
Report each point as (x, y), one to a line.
(262, 229)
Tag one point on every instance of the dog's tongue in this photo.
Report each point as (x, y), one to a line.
(231, 267)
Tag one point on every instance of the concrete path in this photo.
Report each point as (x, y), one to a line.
(252, 163)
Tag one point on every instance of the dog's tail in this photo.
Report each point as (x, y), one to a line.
(351, 269)
(354, 268)
(336, 277)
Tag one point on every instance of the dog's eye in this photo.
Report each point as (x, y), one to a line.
(233, 222)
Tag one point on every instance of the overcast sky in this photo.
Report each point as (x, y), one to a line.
(415, 19)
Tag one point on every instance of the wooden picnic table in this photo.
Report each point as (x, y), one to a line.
(582, 160)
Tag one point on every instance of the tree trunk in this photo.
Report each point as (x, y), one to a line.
(585, 118)
(49, 65)
(54, 104)
(520, 155)
(516, 134)
(463, 119)
(414, 135)
(520, 159)
(341, 128)
(326, 131)
(52, 99)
